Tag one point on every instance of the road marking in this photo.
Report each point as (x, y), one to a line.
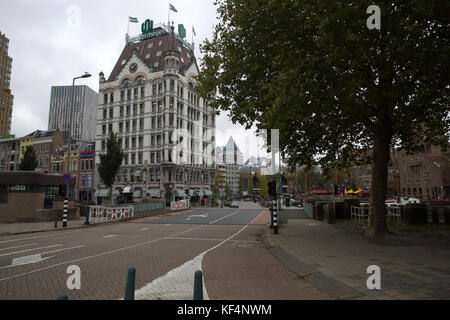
(110, 236)
(34, 258)
(199, 215)
(98, 255)
(26, 250)
(51, 235)
(143, 229)
(177, 284)
(210, 239)
(15, 247)
(224, 217)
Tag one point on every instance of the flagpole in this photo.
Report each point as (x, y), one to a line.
(128, 25)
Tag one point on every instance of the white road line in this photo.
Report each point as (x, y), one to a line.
(98, 255)
(224, 217)
(27, 250)
(110, 236)
(209, 239)
(177, 284)
(143, 229)
(15, 247)
(50, 235)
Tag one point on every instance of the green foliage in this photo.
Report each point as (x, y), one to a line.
(110, 162)
(314, 70)
(336, 90)
(29, 161)
(227, 190)
(264, 189)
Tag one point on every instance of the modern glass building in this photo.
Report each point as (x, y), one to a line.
(84, 111)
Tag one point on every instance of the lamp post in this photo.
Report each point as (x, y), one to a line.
(69, 142)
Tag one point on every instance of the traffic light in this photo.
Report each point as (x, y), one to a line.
(272, 188)
(336, 190)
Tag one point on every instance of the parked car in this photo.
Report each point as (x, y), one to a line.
(234, 204)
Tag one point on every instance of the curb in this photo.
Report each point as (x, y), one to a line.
(326, 284)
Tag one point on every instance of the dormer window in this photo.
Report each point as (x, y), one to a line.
(150, 45)
(160, 42)
(124, 61)
(147, 56)
(158, 53)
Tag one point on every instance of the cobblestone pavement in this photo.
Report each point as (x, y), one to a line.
(337, 264)
(233, 259)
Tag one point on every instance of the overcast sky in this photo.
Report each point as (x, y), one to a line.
(53, 41)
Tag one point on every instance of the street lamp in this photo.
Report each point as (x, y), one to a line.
(85, 75)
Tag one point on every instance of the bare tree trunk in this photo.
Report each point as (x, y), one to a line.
(383, 136)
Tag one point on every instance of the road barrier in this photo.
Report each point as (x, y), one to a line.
(178, 205)
(99, 214)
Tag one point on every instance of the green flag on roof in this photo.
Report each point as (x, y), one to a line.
(171, 7)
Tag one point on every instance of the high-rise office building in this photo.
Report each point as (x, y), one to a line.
(84, 110)
(6, 98)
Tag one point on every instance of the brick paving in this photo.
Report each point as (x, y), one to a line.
(336, 263)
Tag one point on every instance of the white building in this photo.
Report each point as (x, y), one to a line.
(165, 129)
(229, 158)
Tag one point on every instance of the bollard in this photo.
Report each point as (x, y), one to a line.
(129, 287)
(56, 220)
(198, 285)
(86, 222)
(63, 297)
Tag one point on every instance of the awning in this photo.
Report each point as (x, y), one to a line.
(127, 190)
(137, 193)
(154, 193)
(207, 192)
(104, 193)
(180, 193)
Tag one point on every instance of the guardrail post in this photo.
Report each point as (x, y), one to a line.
(63, 297)
(275, 217)
(56, 220)
(271, 218)
(198, 285)
(66, 204)
(129, 287)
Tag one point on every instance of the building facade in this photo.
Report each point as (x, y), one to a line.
(85, 102)
(424, 175)
(229, 159)
(9, 154)
(6, 98)
(165, 129)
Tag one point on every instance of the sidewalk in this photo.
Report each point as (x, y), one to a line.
(336, 263)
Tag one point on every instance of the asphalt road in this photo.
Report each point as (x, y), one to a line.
(166, 251)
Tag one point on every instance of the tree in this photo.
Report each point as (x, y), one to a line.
(110, 163)
(336, 89)
(29, 161)
(264, 189)
(227, 190)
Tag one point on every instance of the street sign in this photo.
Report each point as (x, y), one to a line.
(280, 187)
(66, 178)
